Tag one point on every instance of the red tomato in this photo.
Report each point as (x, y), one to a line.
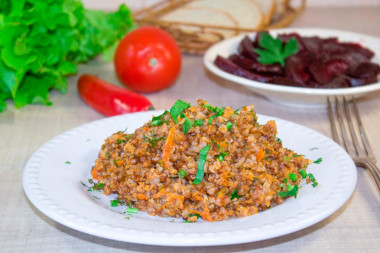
(110, 99)
(147, 59)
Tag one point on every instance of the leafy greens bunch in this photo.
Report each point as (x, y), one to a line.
(42, 41)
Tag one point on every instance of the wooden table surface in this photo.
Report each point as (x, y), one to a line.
(354, 227)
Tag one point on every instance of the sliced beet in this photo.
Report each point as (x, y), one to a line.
(319, 63)
(319, 72)
(255, 66)
(364, 70)
(287, 81)
(246, 48)
(230, 67)
(336, 82)
(296, 67)
(336, 67)
(286, 37)
(313, 44)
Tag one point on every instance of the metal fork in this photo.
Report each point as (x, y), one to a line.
(356, 141)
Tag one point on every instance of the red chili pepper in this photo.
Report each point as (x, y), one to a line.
(110, 99)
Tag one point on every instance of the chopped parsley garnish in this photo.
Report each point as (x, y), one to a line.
(182, 173)
(116, 202)
(219, 111)
(158, 120)
(178, 107)
(222, 155)
(318, 161)
(311, 177)
(68, 162)
(198, 122)
(94, 186)
(287, 158)
(152, 140)
(303, 173)
(234, 194)
(279, 140)
(201, 163)
(228, 125)
(292, 177)
(119, 141)
(291, 190)
(187, 124)
(273, 50)
(108, 155)
(131, 210)
(211, 119)
(194, 214)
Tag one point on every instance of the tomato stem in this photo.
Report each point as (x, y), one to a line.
(153, 62)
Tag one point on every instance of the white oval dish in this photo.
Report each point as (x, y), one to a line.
(294, 96)
(52, 181)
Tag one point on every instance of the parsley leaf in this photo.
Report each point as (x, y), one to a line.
(273, 50)
(234, 194)
(187, 124)
(201, 163)
(182, 173)
(158, 120)
(178, 107)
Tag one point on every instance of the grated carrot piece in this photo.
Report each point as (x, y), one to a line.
(205, 214)
(260, 155)
(119, 162)
(168, 147)
(94, 173)
(142, 196)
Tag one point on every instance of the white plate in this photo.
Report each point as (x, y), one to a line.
(54, 187)
(294, 96)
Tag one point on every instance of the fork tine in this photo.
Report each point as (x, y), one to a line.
(332, 121)
(351, 125)
(343, 131)
(363, 134)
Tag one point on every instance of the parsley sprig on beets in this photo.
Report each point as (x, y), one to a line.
(273, 50)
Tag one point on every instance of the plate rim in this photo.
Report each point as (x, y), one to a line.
(213, 51)
(165, 239)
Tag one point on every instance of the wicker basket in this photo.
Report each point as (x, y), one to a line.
(203, 36)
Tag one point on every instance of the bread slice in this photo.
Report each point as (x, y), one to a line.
(246, 12)
(268, 8)
(204, 16)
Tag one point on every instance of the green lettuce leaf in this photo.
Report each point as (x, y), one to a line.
(42, 41)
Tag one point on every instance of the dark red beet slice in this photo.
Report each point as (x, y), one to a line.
(313, 44)
(296, 67)
(320, 63)
(287, 81)
(255, 66)
(246, 48)
(319, 72)
(286, 37)
(364, 70)
(336, 67)
(232, 68)
(337, 82)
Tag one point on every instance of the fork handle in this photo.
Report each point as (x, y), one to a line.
(374, 171)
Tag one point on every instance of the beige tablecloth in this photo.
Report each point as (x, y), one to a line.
(353, 228)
